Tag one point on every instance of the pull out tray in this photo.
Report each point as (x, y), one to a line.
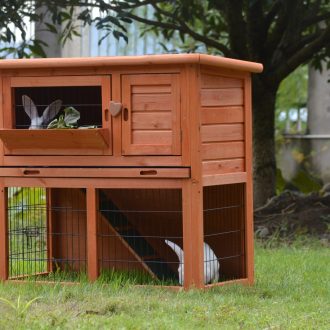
(113, 172)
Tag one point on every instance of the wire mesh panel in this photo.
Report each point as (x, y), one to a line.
(36, 107)
(46, 233)
(224, 233)
(140, 235)
(27, 230)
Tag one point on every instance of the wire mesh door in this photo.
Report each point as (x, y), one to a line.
(27, 231)
(224, 233)
(47, 233)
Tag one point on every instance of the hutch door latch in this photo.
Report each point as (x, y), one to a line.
(115, 108)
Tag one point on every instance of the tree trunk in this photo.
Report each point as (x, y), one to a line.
(264, 162)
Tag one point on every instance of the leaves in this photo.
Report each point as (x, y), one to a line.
(68, 120)
(71, 115)
(19, 308)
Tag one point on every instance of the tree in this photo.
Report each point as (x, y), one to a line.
(278, 33)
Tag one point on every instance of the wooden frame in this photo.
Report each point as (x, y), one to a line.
(201, 138)
(151, 118)
(3, 234)
(56, 142)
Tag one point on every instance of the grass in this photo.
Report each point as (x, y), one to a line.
(292, 291)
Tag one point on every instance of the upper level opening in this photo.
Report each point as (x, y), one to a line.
(36, 107)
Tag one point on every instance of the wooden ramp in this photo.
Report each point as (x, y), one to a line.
(123, 225)
(121, 244)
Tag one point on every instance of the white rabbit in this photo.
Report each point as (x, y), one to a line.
(211, 263)
(49, 113)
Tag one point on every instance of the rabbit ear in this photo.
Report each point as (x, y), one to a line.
(29, 107)
(51, 111)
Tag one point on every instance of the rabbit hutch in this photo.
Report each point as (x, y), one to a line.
(127, 166)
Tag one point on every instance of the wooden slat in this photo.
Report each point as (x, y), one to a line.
(216, 81)
(151, 102)
(136, 172)
(149, 77)
(92, 183)
(50, 231)
(116, 94)
(124, 61)
(222, 115)
(221, 179)
(106, 118)
(221, 97)
(192, 190)
(223, 150)
(249, 231)
(150, 89)
(176, 114)
(223, 166)
(222, 132)
(4, 269)
(20, 139)
(152, 120)
(92, 255)
(1, 118)
(152, 137)
(55, 81)
(185, 141)
(137, 160)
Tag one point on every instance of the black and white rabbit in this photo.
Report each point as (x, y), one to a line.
(49, 113)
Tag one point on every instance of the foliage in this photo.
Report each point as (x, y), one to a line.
(27, 200)
(280, 34)
(19, 308)
(68, 120)
(283, 297)
(305, 182)
(291, 98)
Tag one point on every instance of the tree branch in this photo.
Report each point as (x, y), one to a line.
(273, 11)
(304, 41)
(302, 56)
(236, 28)
(182, 27)
(256, 34)
(316, 19)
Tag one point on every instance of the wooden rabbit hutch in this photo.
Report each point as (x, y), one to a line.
(164, 165)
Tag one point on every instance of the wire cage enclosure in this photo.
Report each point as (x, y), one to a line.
(85, 99)
(46, 234)
(133, 227)
(224, 231)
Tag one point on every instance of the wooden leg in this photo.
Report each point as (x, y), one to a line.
(193, 245)
(92, 256)
(3, 234)
(249, 247)
(49, 230)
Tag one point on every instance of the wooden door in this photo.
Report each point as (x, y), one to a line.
(151, 114)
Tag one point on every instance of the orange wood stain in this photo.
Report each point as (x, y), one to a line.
(184, 129)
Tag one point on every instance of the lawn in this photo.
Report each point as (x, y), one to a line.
(292, 291)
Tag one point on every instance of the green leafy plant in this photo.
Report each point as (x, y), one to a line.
(19, 308)
(67, 120)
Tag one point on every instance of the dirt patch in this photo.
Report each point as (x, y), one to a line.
(291, 214)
